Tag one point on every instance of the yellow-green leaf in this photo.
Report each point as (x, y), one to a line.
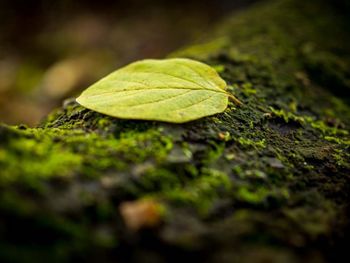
(172, 90)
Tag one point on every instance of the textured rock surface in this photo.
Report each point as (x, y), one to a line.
(265, 182)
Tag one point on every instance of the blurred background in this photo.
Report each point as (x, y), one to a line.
(51, 50)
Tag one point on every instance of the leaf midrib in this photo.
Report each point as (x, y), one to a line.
(155, 101)
(197, 103)
(176, 88)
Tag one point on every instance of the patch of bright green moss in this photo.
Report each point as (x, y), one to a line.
(57, 153)
(337, 140)
(201, 192)
(28, 161)
(287, 116)
(325, 129)
(249, 142)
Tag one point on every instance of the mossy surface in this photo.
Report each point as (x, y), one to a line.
(265, 182)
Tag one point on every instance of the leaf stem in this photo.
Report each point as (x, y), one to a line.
(235, 100)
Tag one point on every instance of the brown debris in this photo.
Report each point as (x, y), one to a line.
(140, 214)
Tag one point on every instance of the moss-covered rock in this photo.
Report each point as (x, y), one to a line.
(265, 182)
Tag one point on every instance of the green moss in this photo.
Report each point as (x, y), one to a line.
(202, 192)
(337, 140)
(342, 158)
(249, 142)
(77, 152)
(325, 129)
(253, 173)
(248, 90)
(253, 197)
(37, 161)
(314, 224)
(201, 51)
(287, 116)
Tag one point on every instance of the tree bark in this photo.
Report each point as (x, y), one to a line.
(268, 181)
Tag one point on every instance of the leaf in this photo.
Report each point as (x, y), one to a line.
(172, 90)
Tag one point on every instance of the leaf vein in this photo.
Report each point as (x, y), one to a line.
(167, 74)
(155, 101)
(195, 104)
(195, 71)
